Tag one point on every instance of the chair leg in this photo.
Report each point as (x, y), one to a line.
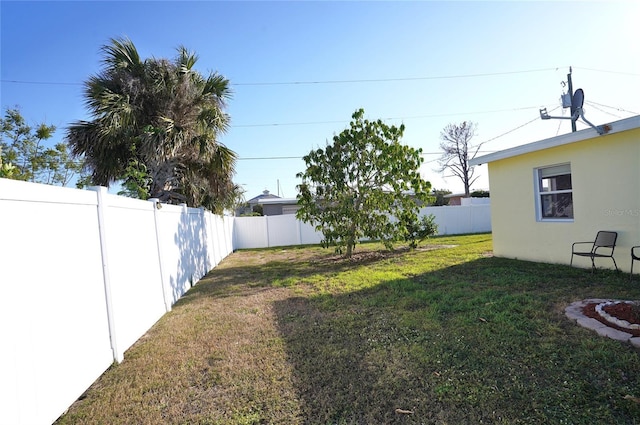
(631, 275)
(614, 263)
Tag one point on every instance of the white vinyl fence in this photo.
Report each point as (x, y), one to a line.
(284, 230)
(84, 274)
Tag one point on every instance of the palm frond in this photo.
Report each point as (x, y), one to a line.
(121, 53)
(185, 60)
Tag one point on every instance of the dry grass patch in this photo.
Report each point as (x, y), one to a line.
(213, 359)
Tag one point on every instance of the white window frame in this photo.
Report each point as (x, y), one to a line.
(550, 171)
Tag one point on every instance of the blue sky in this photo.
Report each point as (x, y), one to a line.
(300, 69)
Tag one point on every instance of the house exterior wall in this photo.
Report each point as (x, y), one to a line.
(605, 173)
(279, 209)
(274, 209)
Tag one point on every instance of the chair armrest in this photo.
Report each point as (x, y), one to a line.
(578, 243)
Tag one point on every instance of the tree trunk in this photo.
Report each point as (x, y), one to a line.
(161, 177)
(351, 240)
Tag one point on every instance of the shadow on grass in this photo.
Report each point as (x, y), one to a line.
(246, 278)
(481, 342)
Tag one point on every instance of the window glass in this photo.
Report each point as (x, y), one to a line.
(553, 183)
(557, 206)
(555, 193)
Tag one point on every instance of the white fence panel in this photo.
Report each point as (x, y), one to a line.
(455, 220)
(283, 230)
(251, 232)
(210, 242)
(308, 234)
(229, 226)
(170, 219)
(191, 237)
(480, 218)
(134, 268)
(217, 227)
(53, 322)
(82, 269)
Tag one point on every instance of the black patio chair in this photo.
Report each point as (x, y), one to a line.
(634, 257)
(602, 247)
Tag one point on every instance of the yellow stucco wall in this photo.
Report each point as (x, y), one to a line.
(606, 196)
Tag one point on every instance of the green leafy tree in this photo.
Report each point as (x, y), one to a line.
(7, 170)
(24, 155)
(357, 185)
(137, 181)
(155, 125)
(457, 151)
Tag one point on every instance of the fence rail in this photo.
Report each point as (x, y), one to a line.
(84, 274)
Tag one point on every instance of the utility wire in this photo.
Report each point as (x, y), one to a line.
(378, 80)
(590, 102)
(423, 153)
(503, 134)
(607, 71)
(284, 83)
(518, 127)
(385, 119)
(265, 158)
(51, 83)
(602, 110)
(560, 123)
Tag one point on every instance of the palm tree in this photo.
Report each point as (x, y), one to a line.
(158, 117)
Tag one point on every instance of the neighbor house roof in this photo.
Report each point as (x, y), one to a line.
(565, 139)
(272, 201)
(264, 195)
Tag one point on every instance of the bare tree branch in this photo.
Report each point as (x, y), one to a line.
(457, 151)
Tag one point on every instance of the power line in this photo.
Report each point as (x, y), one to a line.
(387, 118)
(379, 80)
(268, 157)
(265, 158)
(607, 71)
(590, 102)
(593, 105)
(423, 153)
(517, 128)
(506, 132)
(52, 83)
(282, 83)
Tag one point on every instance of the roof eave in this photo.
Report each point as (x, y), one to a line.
(579, 136)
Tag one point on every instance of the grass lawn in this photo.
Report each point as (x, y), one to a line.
(448, 334)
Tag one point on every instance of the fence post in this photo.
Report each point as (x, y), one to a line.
(101, 193)
(205, 236)
(163, 275)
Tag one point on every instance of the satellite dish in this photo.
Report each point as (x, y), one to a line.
(577, 101)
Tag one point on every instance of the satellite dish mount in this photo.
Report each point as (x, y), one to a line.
(574, 101)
